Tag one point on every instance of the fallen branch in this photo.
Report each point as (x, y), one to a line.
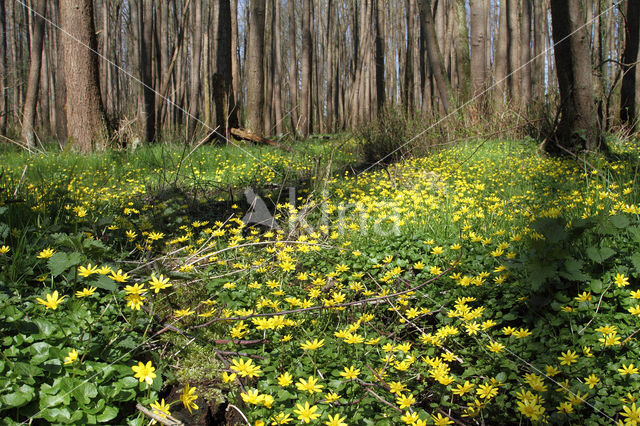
(248, 135)
(169, 421)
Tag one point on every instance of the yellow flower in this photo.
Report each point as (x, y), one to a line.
(621, 280)
(188, 396)
(312, 346)
(228, 378)
(72, 357)
(246, 368)
(331, 396)
(4, 249)
(159, 283)
(285, 379)
(153, 236)
(281, 419)
(119, 276)
(135, 289)
(568, 358)
(306, 413)
(496, 347)
(628, 369)
(88, 270)
(179, 313)
(350, 373)
(309, 385)
(632, 415)
(134, 301)
(634, 310)
(161, 408)
(52, 301)
(592, 381)
(144, 373)
(439, 420)
(487, 391)
(85, 292)
(405, 401)
(584, 297)
(410, 418)
(463, 389)
(252, 397)
(46, 253)
(336, 420)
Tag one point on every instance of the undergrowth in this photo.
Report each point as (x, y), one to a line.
(481, 283)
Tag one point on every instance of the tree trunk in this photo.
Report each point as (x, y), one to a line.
(147, 106)
(462, 52)
(255, 67)
(628, 114)
(196, 59)
(538, 74)
(226, 114)
(409, 94)
(379, 57)
(277, 67)
(525, 55)
(501, 67)
(235, 63)
(33, 81)
(4, 101)
(578, 127)
(514, 48)
(478, 49)
(306, 119)
(293, 68)
(85, 116)
(433, 54)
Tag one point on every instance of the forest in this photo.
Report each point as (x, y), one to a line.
(270, 212)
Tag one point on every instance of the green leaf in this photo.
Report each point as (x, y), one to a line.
(635, 260)
(619, 221)
(108, 414)
(85, 392)
(596, 286)
(61, 261)
(105, 283)
(23, 395)
(600, 255)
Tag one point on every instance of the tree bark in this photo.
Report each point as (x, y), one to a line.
(306, 118)
(293, 68)
(33, 81)
(85, 115)
(462, 52)
(226, 114)
(578, 127)
(628, 114)
(379, 56)
(433, 54)
(525, 55)
(514, 48)
(277, 67)
(501, 67)
(478, 49)
(255, 68)
(196, 59)
(4, 100)
(147, 106)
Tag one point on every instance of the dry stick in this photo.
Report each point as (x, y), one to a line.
(241, 413)
(630, 336)
(458, 422)
(20, 181)
(381, 399)
(168, 420)
(596, 312)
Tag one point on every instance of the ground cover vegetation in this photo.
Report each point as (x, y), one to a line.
(481, 283)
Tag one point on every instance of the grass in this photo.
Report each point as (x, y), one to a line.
(480, 283)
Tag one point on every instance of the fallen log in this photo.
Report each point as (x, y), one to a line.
(247, 135)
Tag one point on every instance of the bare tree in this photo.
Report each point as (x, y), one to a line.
(306, 77)
(33, 81)
(477, 23)
(87, 126)
(255, 69)
(196, 61)
(3, 70)
(147, 106)
(628, 113)
(578, 127)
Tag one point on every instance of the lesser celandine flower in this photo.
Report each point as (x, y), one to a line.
(188, 396)
(72, 357)
(144, 372)
(46, 253)
(306, 413)
(52, 301)
(161, 408)
(85, 271)
(159, 283)
(85, 292)
(119, 276)
(4, 249)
